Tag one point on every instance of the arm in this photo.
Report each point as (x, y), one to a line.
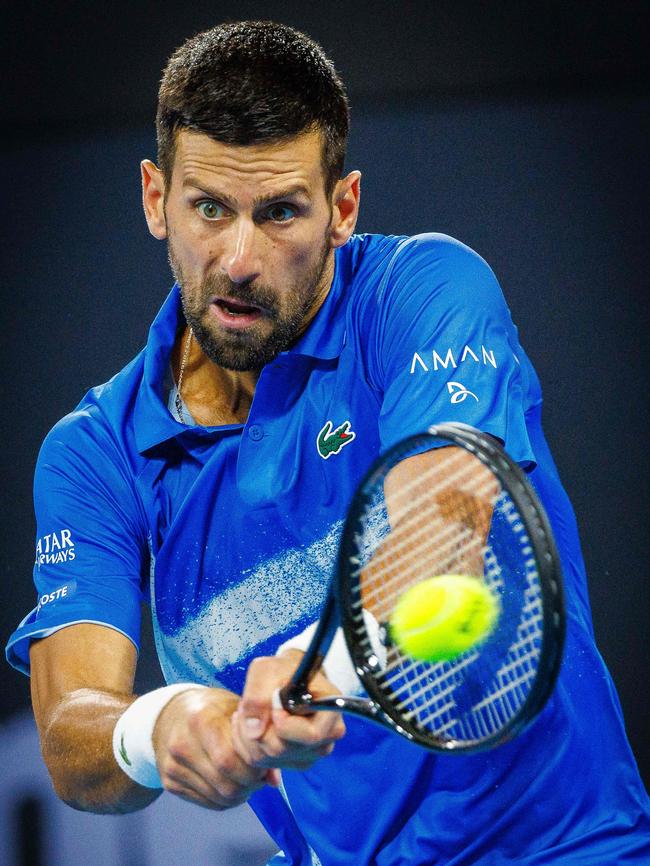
(444, 348)
(425, 501)
(82, 681)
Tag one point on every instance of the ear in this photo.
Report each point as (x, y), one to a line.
(153, 198)
(345, 208)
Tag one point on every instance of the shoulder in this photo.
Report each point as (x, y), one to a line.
(387, 269)
(437, 265)
(88, 468)
(429, 275)
(97, 432)
(430, 289)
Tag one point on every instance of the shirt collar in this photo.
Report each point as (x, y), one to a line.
(153, 421)
(154, 424)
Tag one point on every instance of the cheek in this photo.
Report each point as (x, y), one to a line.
(188, 234)
(299, 256)
(196, 250)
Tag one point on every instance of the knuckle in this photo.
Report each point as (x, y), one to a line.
(174, 787)
(167, 768)
(179, 749)
(261, 664)
(225, 760)
(195, 720)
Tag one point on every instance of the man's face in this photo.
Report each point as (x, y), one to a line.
(248, 233)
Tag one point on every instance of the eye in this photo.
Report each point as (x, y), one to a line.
(210, 210)
(280, 213)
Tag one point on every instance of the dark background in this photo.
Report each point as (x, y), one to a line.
(520, 128)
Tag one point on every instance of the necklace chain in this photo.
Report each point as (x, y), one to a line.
(177, 400)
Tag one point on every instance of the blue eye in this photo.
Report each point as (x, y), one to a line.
(280, 213)
(210, 210)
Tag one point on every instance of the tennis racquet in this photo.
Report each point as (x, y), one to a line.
(447, 501)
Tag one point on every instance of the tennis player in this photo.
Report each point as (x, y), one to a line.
(211, 477)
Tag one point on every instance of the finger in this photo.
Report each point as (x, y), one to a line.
(249, 750)
(187, 783)
(264, 675)
(227, 761)
(265, 752)
(192, 797)
(318, 729)
(217, 804)
(207, 750)
(279, 753)
(224, 775)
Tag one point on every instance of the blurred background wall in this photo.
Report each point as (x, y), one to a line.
(520, 128)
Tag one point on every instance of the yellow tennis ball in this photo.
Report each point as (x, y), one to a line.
(442, 617)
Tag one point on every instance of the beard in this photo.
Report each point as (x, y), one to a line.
(252, 347)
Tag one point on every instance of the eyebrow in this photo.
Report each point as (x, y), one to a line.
(296, 189)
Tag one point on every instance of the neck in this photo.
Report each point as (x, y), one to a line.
(213, 395)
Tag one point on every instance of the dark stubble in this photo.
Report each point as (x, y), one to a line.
(252, 348)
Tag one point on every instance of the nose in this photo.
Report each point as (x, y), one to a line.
(239, 259)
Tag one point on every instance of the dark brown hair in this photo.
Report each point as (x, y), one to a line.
(251, 82)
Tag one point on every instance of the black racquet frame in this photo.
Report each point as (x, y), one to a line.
(342, 606)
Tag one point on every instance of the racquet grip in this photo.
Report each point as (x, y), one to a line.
(293, 699)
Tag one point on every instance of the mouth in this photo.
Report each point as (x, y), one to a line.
(234, 314)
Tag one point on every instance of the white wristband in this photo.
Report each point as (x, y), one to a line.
(337, 665)
(133, 734)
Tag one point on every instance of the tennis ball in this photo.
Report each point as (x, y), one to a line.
(442, 617)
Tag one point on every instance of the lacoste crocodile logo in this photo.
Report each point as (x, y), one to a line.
(123, 754)
(331, 441)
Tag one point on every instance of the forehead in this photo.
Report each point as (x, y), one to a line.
(260, 167)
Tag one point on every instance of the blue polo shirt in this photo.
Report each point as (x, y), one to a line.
(232, 533)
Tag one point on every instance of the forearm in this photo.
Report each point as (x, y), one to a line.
(77, 747)
(180, 740)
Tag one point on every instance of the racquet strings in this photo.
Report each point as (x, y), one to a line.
(451, 516)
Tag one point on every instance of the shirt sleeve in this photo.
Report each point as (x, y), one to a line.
(447, 349)
(91, 549)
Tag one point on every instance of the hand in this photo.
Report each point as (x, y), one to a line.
(195, 754)
(267, 737)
